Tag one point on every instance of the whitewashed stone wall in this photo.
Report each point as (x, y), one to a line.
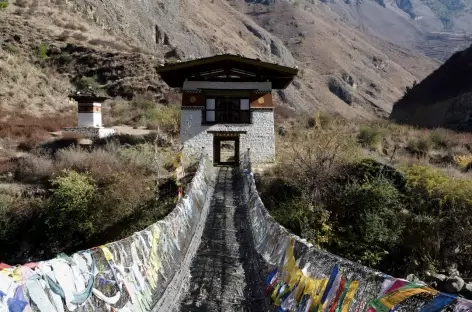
(90, 132)
(259, 138)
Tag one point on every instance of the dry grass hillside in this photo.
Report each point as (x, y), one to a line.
(349, 71)
(117, 45)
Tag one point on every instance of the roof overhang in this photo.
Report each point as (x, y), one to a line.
(227, 67)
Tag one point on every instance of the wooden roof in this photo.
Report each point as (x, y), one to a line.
(227, 67)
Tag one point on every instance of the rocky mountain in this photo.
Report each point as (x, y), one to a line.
(48, 48)
(437, 28)
(443, 99)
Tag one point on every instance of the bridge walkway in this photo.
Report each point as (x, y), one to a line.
(226, 273)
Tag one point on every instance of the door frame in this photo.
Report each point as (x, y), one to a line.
(217, 149)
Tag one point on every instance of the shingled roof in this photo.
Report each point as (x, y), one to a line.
(227, 67)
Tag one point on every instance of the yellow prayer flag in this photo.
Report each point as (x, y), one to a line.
(289, 269)
(301, 287)
(295, 277)
(17, 275)
(391, 300)
(107, 253)
(316, 296)
(350, 296)
(310, 286)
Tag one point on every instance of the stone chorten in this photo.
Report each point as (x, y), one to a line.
(89, 105)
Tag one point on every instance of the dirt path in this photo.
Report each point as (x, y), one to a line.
(225, 273)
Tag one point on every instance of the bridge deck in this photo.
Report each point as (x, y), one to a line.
(225, 272)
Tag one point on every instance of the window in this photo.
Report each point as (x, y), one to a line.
(227, 110)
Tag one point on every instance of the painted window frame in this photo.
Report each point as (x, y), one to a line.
(245, 115)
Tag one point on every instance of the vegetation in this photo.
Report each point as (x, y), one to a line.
(80, 198)
(144, 112)
(86, 82)
(42, 51)
(371, 137)
(3, 4)
(405, 219)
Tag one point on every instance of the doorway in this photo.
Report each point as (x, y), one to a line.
(226, 150)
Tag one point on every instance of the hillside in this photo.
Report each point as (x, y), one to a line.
(437, 28)
(344, 71)
(443, 99)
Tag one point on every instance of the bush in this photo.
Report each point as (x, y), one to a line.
(34, 169)
(371, 137)
(69, 212)
(86, 82)
(463, 161)
(440, 138)
(7, 222)
(421, 146)
(303, 218)
(167, 118)
(315, 158)
(3, 4)
(42, 51)
(439, 207)
(376, 205)
(143, 111)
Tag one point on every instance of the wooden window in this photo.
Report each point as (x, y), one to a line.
(227, 110)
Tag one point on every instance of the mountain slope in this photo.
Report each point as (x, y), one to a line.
(443, 99)
(343, 70)
(437, 28)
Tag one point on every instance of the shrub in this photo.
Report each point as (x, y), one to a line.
(440, 138)
(3, 4)
(463, 161)
(143, 104)
(371, 137)
(84, 82)
(42, 51)
(421, 146)
(167, 118)
(143, 111)
(303, 218)
(34, 169)
(120, 199)
(444, 204)
(314, 158)
(69, 207)
(376, 206)
(7, 222)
